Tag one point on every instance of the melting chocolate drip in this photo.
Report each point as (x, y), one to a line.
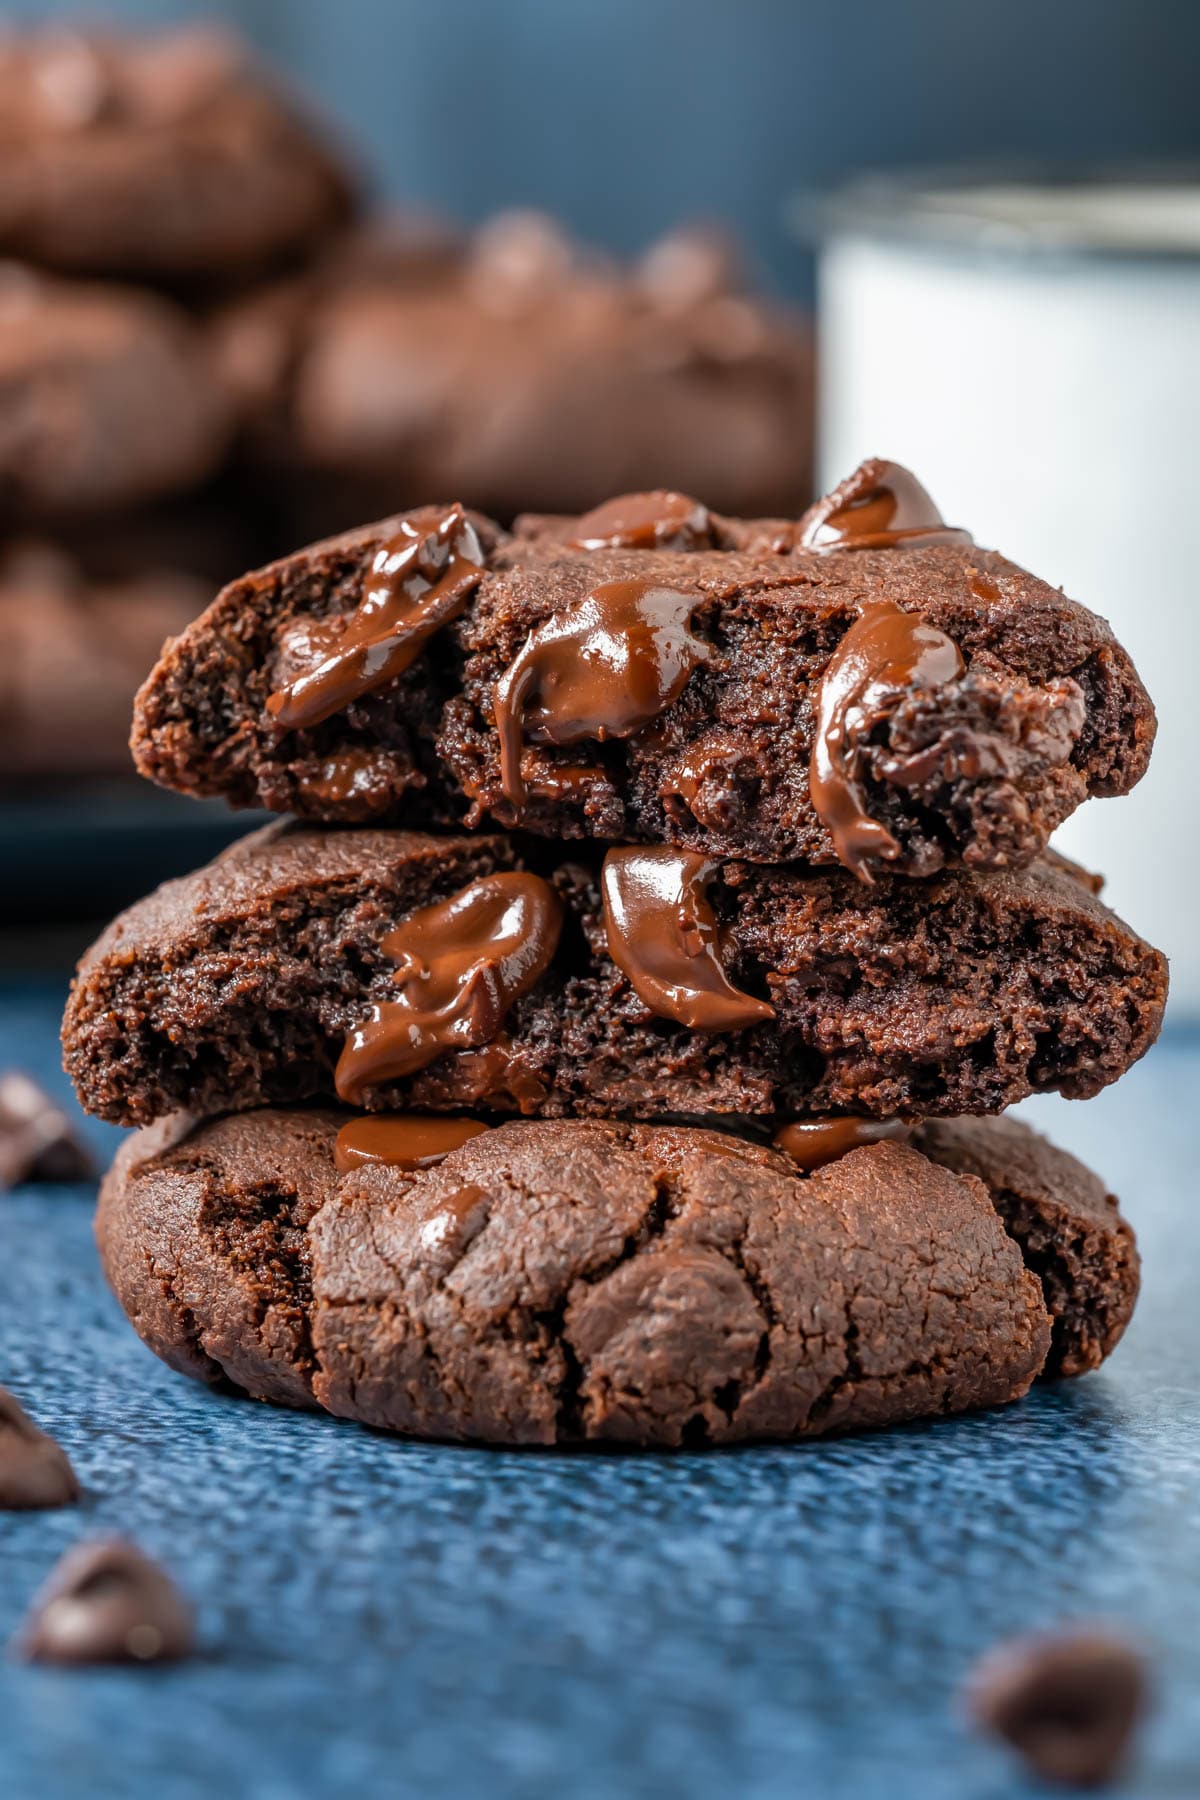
(462, 964)
(813, 1142)
(662, 934)
(106, 1602)
(604, 669)
(34, 1471)
(401, 1140)
(880, 507)
(884, 653)
(420, 580)
(660, 520)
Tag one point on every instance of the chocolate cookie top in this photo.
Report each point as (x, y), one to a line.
(889, 696)
(614, 1283)
(166, 156)
(399, 969)
(521, 371)
(108, 397)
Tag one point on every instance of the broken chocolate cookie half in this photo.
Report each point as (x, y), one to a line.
(836, 688)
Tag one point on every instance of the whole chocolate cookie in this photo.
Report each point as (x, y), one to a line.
(436, 972)
(165, 156)
(518, 371)
(107, 397)
(630, 1284)
(74, 648)
(655, 672)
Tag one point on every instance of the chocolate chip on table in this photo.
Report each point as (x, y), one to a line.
(35, 1472)
(1068, 1703)
(107, 1602)
(37, 1140)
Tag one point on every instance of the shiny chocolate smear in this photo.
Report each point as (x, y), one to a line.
(660, 520)
(35, 1472)
(882, 506)
(106, 1602)
(885, 652)
(420, 580)
(603, 669)
(811, 1143)
(401, 1140)
(461, 964)
(662, 934)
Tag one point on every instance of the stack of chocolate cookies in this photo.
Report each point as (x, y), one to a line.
(610, 1047)
(141, 177)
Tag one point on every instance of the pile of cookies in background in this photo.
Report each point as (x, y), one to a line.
(649, 1097)
(210, 350)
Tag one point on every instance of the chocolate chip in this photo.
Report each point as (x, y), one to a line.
(37, 1139)
(1067, 1703)
(34, 1470)
(106, 1602)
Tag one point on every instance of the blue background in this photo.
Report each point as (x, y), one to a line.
(625, 115)
(383, 1619)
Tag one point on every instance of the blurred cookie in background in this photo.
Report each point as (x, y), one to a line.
(171, 157)
(75, 649)
(517, 371)
(107, 397)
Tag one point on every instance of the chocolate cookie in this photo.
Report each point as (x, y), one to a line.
(74, 649)
(164, 156)
(433, 972)
(517, 371)
(891, 696)
(592, 1281)
(107, 397)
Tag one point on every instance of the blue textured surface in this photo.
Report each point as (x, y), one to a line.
(386, 1619)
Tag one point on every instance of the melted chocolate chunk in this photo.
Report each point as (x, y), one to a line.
(881, 506)
(884, 654)
(1068, 1704)
(564, 783)
(662, 934)
(462, 964)
(401, 1140)
(37, 1139)
(420, 580)
(660, 520)
(106, 1602)
(34, 1471)
(502, 1077)
(348, 776)
(604, 669)
(811, 1143)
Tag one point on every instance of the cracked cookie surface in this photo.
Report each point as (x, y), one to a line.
(653, 1285)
